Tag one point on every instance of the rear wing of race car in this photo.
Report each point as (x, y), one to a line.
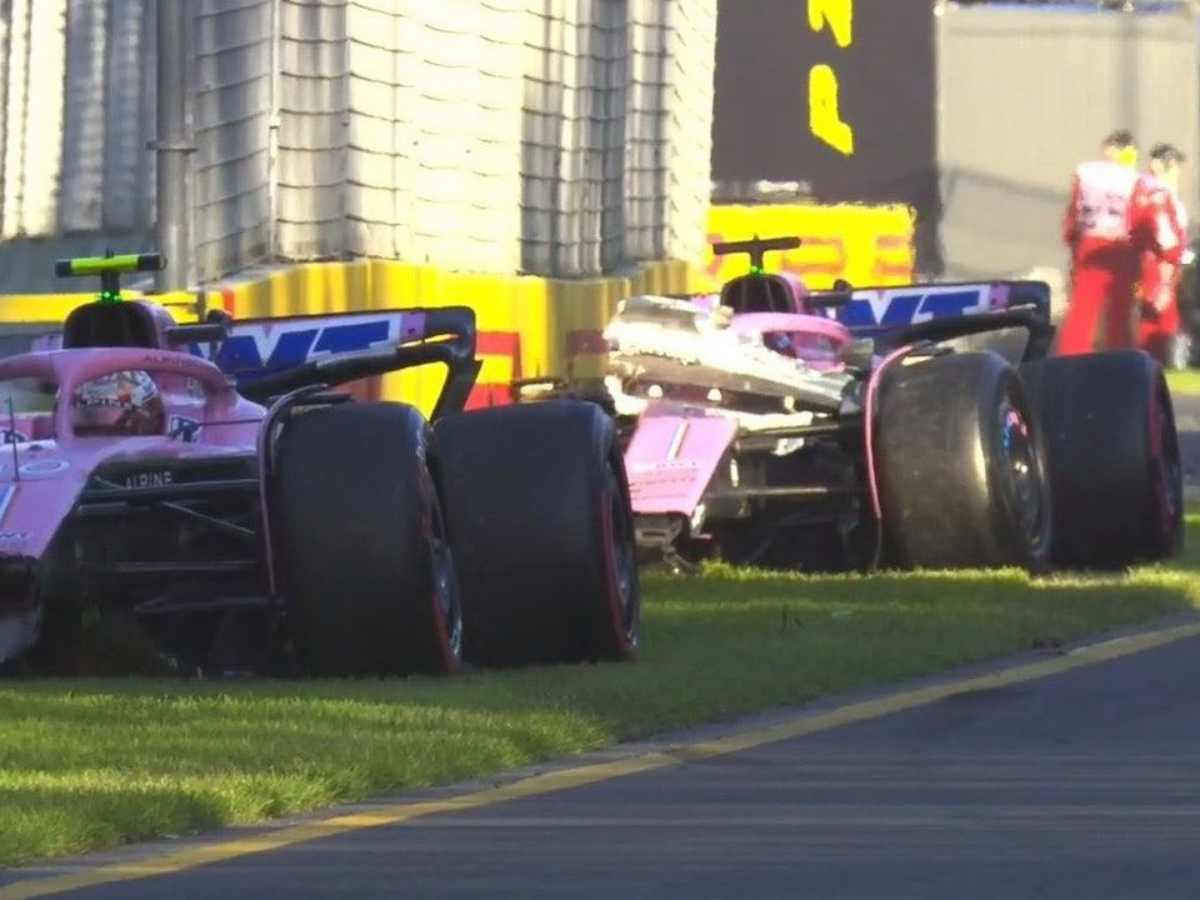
(895, 316)
(267, 357)
(270, 357)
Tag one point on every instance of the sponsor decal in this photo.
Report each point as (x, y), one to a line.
(910, 306)
(15, 437)
(258, 348)
(183, 429)
(149, 479)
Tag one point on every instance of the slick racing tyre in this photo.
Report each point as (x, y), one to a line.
(1113, 455)
(362, 543)
(961, 467)
(539, 513)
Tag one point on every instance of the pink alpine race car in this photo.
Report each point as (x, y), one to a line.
(923, 426)
(170, 501)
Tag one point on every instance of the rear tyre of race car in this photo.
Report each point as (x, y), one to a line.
(961, 466)
(1113, 454)
(362, 543)
(538, 507)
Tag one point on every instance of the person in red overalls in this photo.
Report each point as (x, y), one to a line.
(1159, 230)
(1104, 263)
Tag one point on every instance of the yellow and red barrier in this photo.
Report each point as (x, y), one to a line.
(531, 327)
(527, 326)
(865, 245)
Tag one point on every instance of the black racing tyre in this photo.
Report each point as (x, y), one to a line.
(539, 511)
(1113, 457)
(362, 543)
(961, 466)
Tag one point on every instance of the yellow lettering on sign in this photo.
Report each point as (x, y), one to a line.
(824, 117)
(837, 14)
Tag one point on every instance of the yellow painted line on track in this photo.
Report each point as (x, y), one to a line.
(566, 779)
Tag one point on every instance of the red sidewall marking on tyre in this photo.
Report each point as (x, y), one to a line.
(610, 568)
(450, 663)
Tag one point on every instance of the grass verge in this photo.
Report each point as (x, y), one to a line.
(89, 764)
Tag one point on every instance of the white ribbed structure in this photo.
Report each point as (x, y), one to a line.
(559, 137)
(231, 108)
(34, 59)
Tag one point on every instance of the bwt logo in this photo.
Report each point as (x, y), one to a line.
(258, 348)
(905, 307)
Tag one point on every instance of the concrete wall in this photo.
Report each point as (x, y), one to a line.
(1025, 94)
(557, 137)
(76, 96)
(232, 106)
(434, 101)
(573, 136)
(617, 132)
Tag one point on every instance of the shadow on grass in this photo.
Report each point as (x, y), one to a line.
(80, 757)
(46, 820)
(737, 627)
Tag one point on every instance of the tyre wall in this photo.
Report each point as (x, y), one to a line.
(529, 326)
(865, 245)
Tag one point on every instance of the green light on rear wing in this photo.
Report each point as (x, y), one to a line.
(99, 265)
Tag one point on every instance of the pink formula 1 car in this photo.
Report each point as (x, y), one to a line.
(922, 426)
(244, 517)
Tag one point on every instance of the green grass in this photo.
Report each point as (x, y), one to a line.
(1186, 381)
(86, 764)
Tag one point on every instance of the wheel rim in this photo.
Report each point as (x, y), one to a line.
(624, 559)
(445, 587)
(1023, 472)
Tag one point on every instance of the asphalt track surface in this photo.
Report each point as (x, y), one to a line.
(1039, 777)
(1056, 775)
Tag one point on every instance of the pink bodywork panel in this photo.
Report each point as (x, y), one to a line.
(671, 460)
(800, 291)
(54, 471)
(798, 323)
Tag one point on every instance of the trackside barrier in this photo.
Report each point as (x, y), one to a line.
(529, 326)
(862, 244)
(26, 309)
